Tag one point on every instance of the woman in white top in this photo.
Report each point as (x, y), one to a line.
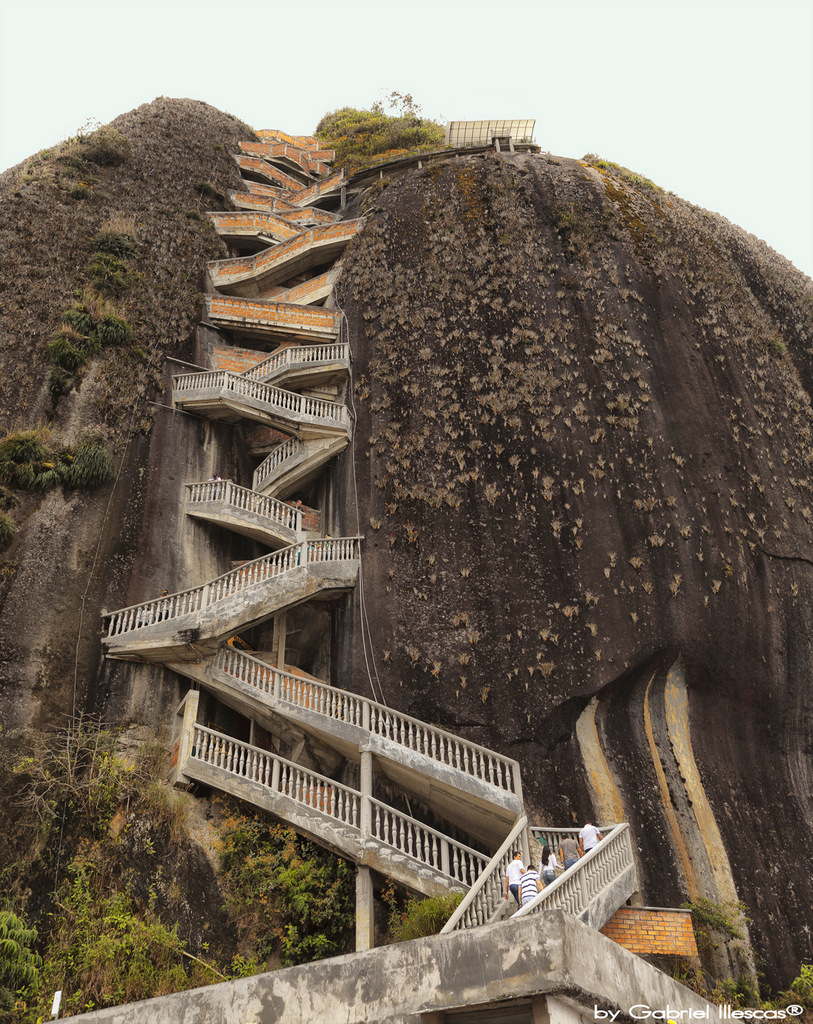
(548, 865)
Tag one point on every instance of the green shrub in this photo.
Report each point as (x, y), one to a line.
(91, 465)
(8, 499)
(109, 274)
(422, 917)
(19, 965)
(79, 319)
(363, 137)
(207, 191)
(28, 461)
(102, 953)
(7, 529)
(65, 355)
(23, 458)
(16, 449)
(112, 331)
(116, 243)
(60, 382)
(624, 172)
(80, 192)
(289, 896)
(802, 987)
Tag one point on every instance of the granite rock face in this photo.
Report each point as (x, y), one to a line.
(583, 465)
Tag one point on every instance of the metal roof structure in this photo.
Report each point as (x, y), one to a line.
(483, 133)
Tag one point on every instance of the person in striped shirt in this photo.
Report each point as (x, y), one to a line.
(529, 887)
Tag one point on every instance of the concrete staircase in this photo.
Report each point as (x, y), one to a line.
(349, 821)
(469, 817)
(251, 275)
(471, 787)
(246, 512)
(193, 623)
(295, 463)
(222, 395)
(267, 318)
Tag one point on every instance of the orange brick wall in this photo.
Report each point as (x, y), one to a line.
(235, 359)
(648, 930)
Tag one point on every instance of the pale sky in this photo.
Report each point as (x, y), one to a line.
(711, 99)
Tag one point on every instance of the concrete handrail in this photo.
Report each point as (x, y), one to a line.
(302, 157)
(287, 451)
(232, 308)
(288, 404)
(297, 355)
(585, 880)
(277, 773)
(400, 832)
(556, 835)
(485, 895)
(425, 844)
(278, 254)
(228, 493)
(173, 606)
(260, 166)
(251, 222)
(307, 195)
(342, 706)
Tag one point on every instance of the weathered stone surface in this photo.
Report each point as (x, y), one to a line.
(584, 451)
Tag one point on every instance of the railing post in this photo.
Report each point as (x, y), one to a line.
(190, 715)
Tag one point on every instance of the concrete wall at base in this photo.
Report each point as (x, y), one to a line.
(551, 956)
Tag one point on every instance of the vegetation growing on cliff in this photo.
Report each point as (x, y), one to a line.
(294, 902)
(369, 136)
(34, 460)
(122, 899)
(415, 917)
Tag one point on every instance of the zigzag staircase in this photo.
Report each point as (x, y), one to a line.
(468, 817)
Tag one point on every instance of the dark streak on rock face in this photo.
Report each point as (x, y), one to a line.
(584, 450)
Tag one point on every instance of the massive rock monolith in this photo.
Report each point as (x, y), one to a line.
(583, 466)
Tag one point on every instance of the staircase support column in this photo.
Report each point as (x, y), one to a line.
(188, 712)
(280, 631)
(365, 917)
(366, 790)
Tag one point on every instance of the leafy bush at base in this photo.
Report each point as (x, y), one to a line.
(19, 964)
(102, 953)
(291, 898)
(99, 944)
(419, 917)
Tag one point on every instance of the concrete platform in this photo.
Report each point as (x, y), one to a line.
(551, 969)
